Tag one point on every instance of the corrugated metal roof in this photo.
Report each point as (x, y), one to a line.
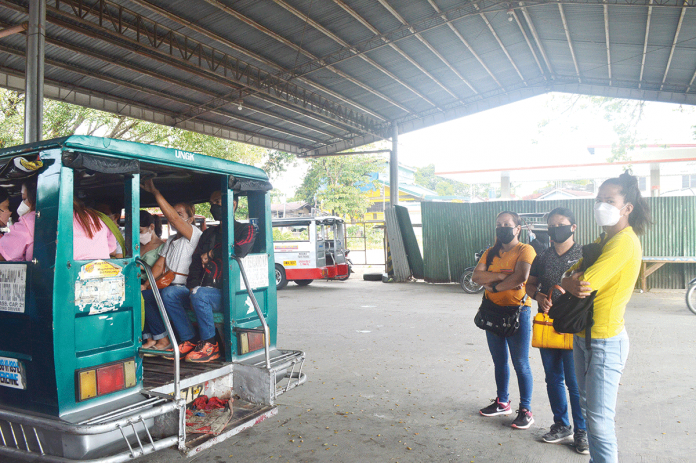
(317, 77)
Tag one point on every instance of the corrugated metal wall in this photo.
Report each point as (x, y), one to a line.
(453, 232)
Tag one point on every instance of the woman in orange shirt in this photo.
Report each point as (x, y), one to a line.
(503, 271)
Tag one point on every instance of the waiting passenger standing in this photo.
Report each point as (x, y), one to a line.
(503, 271)
(547, 270)
(623, 214)
(174, 256)
(205, 278)
(18, 244)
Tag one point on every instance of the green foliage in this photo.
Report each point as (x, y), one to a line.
(425, 177)
(335, 182)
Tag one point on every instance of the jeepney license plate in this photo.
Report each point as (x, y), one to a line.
(290, 263)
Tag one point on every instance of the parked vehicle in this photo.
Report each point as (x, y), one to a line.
(75, 385)
(691, 296)
(465, 280)
(310, 248)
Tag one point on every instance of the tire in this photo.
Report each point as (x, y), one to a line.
(303, 282)
(281, 281)
(372, 277)
(467, 284)
(691, 298)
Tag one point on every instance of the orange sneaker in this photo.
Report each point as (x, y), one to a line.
(203, 353)
(184, 348)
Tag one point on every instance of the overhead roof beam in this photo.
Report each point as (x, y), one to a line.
(365, 58)
(570, 41)
(502, 46)
(289, 75)
(218, 38)
(533, 30)
(466, 44)
(401, 19)
(178, 120)
(674, 45)
(606, 32)
(396, 48)
(144, 36)
(529, 42)
(74, 94)
(645, 44)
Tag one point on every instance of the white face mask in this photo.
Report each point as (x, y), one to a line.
(23, 209)
(145, 237)
(607, 215)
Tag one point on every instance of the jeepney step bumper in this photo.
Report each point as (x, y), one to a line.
(256, 383)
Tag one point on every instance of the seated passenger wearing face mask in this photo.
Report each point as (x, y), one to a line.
(205, 278)
(150, 237)
(18, 244)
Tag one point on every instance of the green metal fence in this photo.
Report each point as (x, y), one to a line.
(453, 232)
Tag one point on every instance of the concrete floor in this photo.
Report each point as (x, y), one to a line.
(397, 373)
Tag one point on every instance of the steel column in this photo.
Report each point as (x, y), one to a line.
(33, 106)
(394, 167)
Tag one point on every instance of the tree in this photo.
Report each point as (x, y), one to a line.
(425, 177)
(334, 182)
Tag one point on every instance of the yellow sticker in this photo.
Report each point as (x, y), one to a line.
(99, 269)
(290, 263)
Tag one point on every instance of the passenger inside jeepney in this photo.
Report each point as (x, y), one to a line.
(92, 237)
(4, 209)
(112, 207)
(18, 244)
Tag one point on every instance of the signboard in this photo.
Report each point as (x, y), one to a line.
(256, 266)
(101, 286)
(13, 285)
(12, 373)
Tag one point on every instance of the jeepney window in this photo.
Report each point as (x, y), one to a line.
(291, 233)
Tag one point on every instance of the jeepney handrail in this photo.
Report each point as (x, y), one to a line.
(266, 330)
(84, 429)
(167, 324)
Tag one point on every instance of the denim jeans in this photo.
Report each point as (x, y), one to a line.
(205, 301)
(598, 372)
(518, 345)
(560, 372)
(175, 299)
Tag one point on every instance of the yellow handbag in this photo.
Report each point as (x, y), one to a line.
(544, 336)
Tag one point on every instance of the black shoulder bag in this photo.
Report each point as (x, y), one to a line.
(500, 320)
(572, 314)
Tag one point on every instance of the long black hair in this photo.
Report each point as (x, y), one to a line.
(147, 219)
(495, 250)
(640, 218)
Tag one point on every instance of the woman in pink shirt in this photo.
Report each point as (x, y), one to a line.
(18, 244)
(92, 239)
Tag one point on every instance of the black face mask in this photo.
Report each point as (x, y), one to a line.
(505, 234)
(560, 234)
(216, 211)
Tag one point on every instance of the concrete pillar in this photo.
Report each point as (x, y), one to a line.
(394, 167)
(505, 185)
(34, 85)
(655, 179)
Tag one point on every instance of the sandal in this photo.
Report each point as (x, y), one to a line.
(168, 346)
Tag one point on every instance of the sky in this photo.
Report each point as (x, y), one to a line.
(510, 136)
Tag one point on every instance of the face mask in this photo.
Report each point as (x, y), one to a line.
(216, 211)
(505, 234)
(145, 237)
(606, 215)
(23, 209)
(560, 234)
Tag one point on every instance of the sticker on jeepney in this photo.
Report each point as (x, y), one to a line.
(99, 269)
(285, 247)
(12, 373)
(290, 263)
(100, 294)
(256, 267)
(304, 263)
(13, 286)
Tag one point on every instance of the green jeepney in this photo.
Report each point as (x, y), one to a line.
(74, 385)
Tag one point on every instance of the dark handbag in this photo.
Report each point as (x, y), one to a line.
(212, 270)
(500, 320)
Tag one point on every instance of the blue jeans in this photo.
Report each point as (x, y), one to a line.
(205, 301)
(560, 372)
(175, 299)
(599, 372)
(518, 344)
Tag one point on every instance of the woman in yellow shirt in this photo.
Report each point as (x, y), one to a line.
(623, 214)
(503, 270)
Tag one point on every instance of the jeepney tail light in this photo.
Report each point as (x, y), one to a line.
(110, 379)
(106, 379)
